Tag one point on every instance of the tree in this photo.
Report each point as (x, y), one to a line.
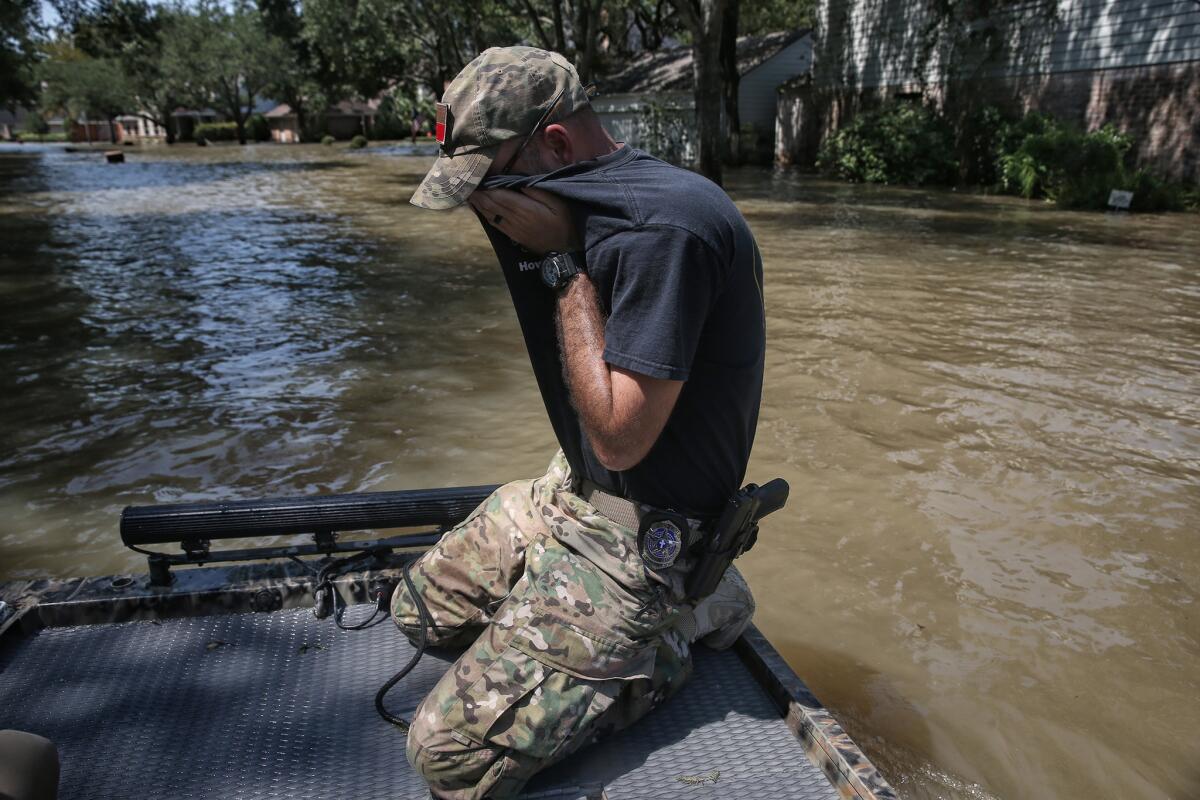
(756, 17)
(730, 78)
(704, 20)
(84, 86)
(298, 87)
(19, 27)
(134, 33)
(226, 57)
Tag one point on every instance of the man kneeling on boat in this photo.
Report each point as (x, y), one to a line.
(637, 286)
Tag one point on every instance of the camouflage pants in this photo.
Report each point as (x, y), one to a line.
(568, 637)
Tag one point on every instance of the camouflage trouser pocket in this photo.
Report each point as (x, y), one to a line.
(547, 688)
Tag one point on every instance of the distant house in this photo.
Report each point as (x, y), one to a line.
(650, 104)
(343, 120)
(1134, 63)
(186, 120)
(12, 122)
(136, 127)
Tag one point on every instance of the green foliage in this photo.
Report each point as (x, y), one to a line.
(134, 33)
(1076, 170)
(1046, 158)
(37, 125)
(82, 85)
(327, 140)
(666, 131)
(258, 129)
(20, 24)
(1151, 193)
(1190, 195)
(899, 143)
(216, 131)
(393, 118)
(225, 56)
(358, 142)
(767, 16)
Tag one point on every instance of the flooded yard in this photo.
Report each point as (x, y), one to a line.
(987, 410)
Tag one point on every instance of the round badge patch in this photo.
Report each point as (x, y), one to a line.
(661, 544)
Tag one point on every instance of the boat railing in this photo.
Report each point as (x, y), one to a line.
(195, 526)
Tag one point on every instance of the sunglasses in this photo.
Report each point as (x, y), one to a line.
(589, 91)
(442, 126)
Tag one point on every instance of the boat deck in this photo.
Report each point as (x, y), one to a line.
(280, 705)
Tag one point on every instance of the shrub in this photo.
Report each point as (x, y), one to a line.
(393, 118)
(216, 131)
(258, 129)
(1151, 193)
(358, 142)
(327, 140)
(1191, 197)
(37, 125)
(899, 143)
(41, 137)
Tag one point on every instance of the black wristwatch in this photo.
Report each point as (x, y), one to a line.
(559, 268)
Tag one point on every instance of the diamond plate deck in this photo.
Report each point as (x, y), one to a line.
(280, 705)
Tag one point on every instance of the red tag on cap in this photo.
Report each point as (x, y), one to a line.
(442, 127)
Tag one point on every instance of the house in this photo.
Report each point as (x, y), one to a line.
(12, 122)
(343, 120)
(1133, 63)
(186, 120)
(650, 104)
(137, 127)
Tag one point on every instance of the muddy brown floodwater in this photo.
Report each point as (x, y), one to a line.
(987, 409)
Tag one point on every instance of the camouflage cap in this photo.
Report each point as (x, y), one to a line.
(502, 94)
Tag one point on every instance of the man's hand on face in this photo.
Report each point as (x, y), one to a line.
(535, 219)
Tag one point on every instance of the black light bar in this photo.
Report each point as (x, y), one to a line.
(321, 514)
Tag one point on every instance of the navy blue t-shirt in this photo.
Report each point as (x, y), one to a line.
(679, 279)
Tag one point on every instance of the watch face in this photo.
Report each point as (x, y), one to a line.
(550, 272)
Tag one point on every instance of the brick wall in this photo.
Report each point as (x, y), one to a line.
(1159, 105)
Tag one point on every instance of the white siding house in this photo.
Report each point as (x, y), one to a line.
(1133, 64)
(650, 104)
(869, 43)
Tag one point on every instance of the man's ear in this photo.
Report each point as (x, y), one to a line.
(556, 140)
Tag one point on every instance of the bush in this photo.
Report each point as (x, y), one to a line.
(327, 140)
(1151, 193)
(899, 143)
(216, 131)
(258, 129)
(37, 125)
(393, 118)
(358, 142)
(41, 137)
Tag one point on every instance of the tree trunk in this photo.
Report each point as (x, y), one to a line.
(707, 71)
(560, 32)
(587, 25)
(730, 76)
(704, 18)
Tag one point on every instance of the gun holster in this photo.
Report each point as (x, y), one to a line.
(736, 532)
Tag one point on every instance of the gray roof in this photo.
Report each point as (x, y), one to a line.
(670, 70)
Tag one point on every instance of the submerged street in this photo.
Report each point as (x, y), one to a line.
(986, 408)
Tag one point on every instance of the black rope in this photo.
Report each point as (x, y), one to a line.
(379, 614)
(422, 639)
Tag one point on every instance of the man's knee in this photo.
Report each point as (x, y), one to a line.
(408, 619)
(455, 768)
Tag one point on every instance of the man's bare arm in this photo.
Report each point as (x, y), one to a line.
(622, 412)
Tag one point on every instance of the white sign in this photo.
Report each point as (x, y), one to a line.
(1119, 199)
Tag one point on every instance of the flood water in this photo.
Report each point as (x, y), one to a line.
(987, 409)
